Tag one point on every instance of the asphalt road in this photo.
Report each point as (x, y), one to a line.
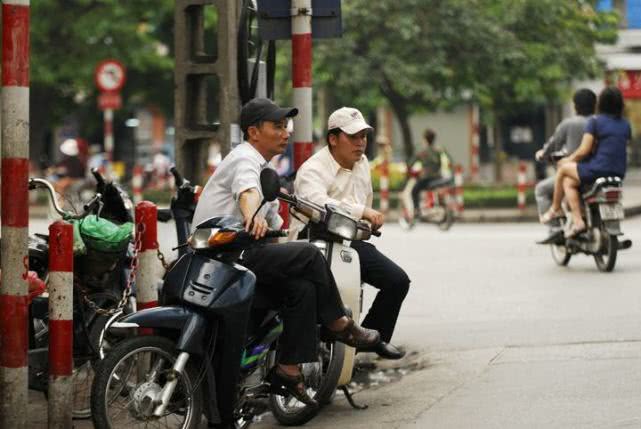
(500, 337)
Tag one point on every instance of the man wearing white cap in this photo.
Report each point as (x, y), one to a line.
(339, 174)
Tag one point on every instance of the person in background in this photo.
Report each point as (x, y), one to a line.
(435, 166)
(603, 152)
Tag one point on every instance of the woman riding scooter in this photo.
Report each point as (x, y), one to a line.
(602, 153)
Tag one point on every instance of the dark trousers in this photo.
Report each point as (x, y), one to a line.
(296, 276)
(427, 183)
(392, 284)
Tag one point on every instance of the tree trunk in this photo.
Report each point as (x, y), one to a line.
(398, 104)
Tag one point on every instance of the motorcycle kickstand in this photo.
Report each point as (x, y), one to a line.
(350, 399)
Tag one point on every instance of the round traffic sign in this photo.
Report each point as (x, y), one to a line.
(110, 75)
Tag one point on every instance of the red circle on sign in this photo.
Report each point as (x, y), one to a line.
(110, 75)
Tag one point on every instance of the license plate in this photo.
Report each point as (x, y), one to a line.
(611, 211)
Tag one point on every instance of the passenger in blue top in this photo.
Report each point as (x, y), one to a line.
(602, 153)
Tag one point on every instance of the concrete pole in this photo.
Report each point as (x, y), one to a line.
(475, 126)
(108, 115)
(302, 79)
(60, 325)
(15, 214)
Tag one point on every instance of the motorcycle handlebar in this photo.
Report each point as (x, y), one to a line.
(276, 233)
(96, 174)
(177, 176)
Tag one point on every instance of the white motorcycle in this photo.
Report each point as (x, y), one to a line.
(331, 230)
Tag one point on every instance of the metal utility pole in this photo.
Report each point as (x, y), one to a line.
(302, 79)
(195, 68)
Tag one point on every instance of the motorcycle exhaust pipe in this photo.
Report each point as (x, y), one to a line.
(170, 386)
(625, 244)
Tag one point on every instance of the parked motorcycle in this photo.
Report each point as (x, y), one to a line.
(603, 213)
(95, 288)
(439, 207)
(331, 230)
(210, 352)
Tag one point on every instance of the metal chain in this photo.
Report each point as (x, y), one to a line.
(161, 257)
(126, 293)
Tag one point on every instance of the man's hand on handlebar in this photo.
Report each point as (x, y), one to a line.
(374, 217)
(539, 155)
(258, 228)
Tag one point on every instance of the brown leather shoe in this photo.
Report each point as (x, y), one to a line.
(285, 384)
(353, 335)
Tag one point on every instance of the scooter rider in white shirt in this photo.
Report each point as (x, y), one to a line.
(294, 274)
(339, 174)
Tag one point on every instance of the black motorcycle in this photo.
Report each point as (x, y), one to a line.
(603, 213)
(99, 280)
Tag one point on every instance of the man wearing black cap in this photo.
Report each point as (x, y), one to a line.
(295, 274)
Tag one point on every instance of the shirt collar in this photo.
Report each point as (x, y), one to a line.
(263, 162)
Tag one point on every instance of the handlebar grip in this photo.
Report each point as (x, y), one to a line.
(98, 176)
(95, 201)
(276, 233)
(179, 179)
(164, 215)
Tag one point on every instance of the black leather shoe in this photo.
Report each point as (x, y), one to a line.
(384, 350)
(555, 237)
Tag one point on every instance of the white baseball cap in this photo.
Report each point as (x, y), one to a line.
(349, 120)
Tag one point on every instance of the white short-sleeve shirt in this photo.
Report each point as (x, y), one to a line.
(238, 172)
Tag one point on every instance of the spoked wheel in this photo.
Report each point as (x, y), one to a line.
(607, 256)
(130, 378)
(321, 378)
(560, 254)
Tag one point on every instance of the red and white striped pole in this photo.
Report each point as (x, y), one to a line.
(60, 325)
(521, 185)
(475, 145)
(148, 274)
(15, 214)
(302, 79)
(458, 188)
(136, 183)
(384, 184)
(108, 115)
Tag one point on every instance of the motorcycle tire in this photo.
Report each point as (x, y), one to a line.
(102, 399)
(447, 222)
(560, 254)
(296, 416)
(607, 256)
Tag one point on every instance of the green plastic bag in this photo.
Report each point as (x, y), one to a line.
(103, 235)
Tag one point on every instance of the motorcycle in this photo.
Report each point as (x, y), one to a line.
(603, 212)
(331, 230)
(438, 206)
(214, 342)
(94, 290)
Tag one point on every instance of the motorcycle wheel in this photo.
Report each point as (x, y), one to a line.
(447, 222)
(136, 370)
(560, 254)
(607, 256)
(321, 378)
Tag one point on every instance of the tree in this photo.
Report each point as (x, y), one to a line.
(429, 54)
(70, 37)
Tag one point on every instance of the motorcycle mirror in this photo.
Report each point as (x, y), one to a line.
(270, 184)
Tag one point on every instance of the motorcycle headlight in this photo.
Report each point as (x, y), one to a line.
(341, 225)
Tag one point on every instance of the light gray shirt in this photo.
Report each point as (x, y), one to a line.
(567, 136)
(238, 172)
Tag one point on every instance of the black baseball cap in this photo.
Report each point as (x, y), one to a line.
(263, 109)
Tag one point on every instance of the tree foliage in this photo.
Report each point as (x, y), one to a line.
(70, 37)
(428, 54)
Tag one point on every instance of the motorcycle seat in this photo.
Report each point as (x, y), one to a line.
(439, 183)
(590, 189)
